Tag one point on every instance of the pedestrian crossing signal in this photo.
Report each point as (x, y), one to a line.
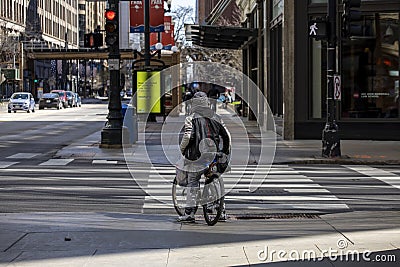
(318, 29)
(92, 40)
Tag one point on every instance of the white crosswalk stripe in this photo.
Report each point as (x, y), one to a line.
(23, 156)
(384, 176)
(6, 164)
(282, 189)
(56, 162)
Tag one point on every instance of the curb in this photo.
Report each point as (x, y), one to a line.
(341, 162)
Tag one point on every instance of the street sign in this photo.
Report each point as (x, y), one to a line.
(113, 64)
(318, 29)
(337, 93)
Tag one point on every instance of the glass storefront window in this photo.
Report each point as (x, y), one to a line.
(318, 73)
(277, 8)
(370, 70)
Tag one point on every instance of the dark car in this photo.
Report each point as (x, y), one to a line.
(71, 99)
(50, 100)
(63, 97)
(78, 100)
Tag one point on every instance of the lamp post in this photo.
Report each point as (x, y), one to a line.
(111, 135)
(330, 134)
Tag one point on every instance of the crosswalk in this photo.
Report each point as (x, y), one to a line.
(110, 185)
(282, 190)
(40, 159)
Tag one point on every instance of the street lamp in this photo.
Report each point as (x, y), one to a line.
(111, 135)
(174, 49)
(159, 46)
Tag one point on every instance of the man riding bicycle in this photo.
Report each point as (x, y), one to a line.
(204, 136)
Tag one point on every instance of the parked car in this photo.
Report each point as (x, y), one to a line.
(21, 101)
(50, 100)
(63, 96)
(78, 100)
(71, 99)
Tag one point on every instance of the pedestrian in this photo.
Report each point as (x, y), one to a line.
(187, 99)
(238, 105)
(213, 95)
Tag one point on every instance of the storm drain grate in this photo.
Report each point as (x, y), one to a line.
(276, 216)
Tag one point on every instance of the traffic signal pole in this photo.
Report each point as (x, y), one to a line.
(330, 134)
(111, 135)
(147, 55)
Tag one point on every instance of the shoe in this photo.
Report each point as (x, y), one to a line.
(223, 217)
(186, 218)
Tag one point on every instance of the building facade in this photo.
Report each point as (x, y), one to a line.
(290, 68)
(51, 22)
(91, 16)
(35, 24)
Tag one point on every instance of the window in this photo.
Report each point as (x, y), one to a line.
(370, 70)
(318, 79)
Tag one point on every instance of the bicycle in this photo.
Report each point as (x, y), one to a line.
(210, 195)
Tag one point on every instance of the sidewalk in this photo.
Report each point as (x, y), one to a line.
(114, 239)
(160, 148)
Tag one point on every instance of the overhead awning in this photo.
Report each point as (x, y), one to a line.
(224, 37)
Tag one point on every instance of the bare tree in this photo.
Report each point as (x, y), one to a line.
(9, 48)
(181, 15)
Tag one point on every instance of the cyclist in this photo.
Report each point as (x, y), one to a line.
(203, 133)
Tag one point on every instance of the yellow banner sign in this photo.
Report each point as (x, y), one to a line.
(148, 92)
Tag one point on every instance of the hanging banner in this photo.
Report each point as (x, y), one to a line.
(166, 37)
(148, 92)
(168, 34)
(137, 16)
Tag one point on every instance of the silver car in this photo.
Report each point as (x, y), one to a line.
(21, 101)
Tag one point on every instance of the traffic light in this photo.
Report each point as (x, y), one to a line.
(92, 40)
(111, 27)
(352, 18)
(88, 40)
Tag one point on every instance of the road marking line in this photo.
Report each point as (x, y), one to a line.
(6, 164)
(56, 162)
(104, 161)
(23, 156)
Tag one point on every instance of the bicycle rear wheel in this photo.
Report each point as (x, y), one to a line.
(213, 196)
(179, 194)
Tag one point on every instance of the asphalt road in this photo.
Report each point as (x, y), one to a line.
(32, 179)
(46, 131)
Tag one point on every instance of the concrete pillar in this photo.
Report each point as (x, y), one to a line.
(288, 48)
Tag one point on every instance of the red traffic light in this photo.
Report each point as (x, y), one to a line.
(110, 14)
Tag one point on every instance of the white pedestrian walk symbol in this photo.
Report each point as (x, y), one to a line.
(313, 29)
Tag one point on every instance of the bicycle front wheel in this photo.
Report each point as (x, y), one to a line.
(213, 196)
